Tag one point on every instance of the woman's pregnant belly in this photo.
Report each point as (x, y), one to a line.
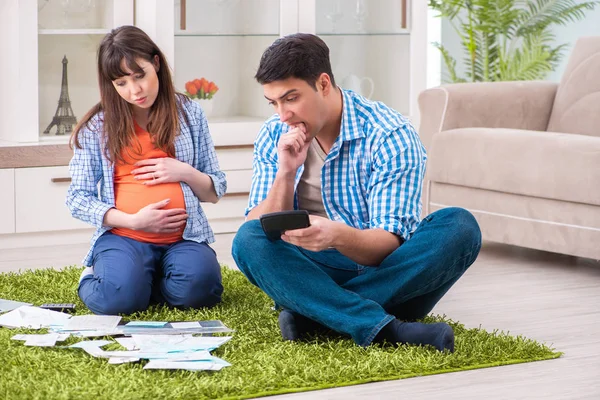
(132, 195)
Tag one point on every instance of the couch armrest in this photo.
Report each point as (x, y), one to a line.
(513, 105)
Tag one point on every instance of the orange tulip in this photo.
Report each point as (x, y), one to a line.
(191, 88)
(212, 88)
(205, 85)
(197, 83)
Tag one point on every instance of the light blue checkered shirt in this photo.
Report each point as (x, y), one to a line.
(372, 175)
(89, 166)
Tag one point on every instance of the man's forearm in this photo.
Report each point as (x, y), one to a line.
(280, 197)
(365, 247)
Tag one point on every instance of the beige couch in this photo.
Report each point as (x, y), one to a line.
(523, 157)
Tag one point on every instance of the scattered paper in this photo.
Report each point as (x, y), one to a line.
(95, 333)
(47, 340)
(43, 340)
(146, 324)
(33, 317)
(90, 344)
(149, 355)
(127, 342)
(213, 365)
(122, 360)
(174, 348)
(9, 305)
(178, 343)
(92, 323)
(185, 325)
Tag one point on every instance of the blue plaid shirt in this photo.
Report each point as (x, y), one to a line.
(372, 175)
(89, 166)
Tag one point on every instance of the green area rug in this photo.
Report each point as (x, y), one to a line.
(262, 363)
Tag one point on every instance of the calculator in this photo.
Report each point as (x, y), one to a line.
(62, 307)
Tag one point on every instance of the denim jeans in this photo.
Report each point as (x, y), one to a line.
(355, 299)
(129, 275)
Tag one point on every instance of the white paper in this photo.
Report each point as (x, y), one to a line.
(122, 360)
(127, 342)
(178, 342)
(33, 317)
(185, 325)
(9, 305)
(100, 333)
(92, 323)
(85, 344)
(47, 340)
(186, 365)
(148, 355)
(146, 324)
(30, 339)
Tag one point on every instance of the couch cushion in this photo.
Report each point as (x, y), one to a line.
(577, 104)
(558, 166)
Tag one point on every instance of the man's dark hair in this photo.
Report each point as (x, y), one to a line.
(300, 55)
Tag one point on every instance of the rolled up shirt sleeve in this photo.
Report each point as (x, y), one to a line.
(85, 169)
(395, 185)
(264, 166)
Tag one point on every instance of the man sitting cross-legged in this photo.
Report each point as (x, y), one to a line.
(367, 266)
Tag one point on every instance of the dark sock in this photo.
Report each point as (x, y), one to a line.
(294, 326)
(287, 325)
(439, 335)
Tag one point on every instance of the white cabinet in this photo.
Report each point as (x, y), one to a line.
(228, 214)
(378, 47)
(43, 39)
(7, 200)
(40, 195)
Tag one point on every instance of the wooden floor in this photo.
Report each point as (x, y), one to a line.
(548, 297)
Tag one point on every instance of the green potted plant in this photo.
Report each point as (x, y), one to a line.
(507, 40)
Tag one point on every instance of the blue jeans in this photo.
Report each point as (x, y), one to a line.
(129, 275)
(359, 300)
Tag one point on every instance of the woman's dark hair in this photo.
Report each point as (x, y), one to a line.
(130, 43)
(301, 55)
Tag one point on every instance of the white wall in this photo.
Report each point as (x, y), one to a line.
(590, 26)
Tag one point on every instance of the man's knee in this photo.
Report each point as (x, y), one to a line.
(465, 224)
(466, 231)
(461, 222)
(247, 235)
(250, 240)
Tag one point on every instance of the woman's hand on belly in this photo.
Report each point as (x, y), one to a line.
(153, 218)
(154, 171)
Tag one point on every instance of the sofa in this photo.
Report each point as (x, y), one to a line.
(523, 157)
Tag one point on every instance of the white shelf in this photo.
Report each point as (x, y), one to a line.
(73, 31)
(231, 131)
(215, 35)
(54, 139)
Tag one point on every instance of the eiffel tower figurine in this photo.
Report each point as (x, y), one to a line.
(64, 119)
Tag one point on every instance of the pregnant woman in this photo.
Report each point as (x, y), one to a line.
(143, 161)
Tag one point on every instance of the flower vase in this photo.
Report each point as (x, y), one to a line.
(206, 105)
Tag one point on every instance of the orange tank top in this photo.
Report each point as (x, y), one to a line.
(131, 195)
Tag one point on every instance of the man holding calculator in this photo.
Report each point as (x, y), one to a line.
(362, 263)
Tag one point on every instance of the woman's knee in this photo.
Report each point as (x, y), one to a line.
(199, 288)
(108, 298)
